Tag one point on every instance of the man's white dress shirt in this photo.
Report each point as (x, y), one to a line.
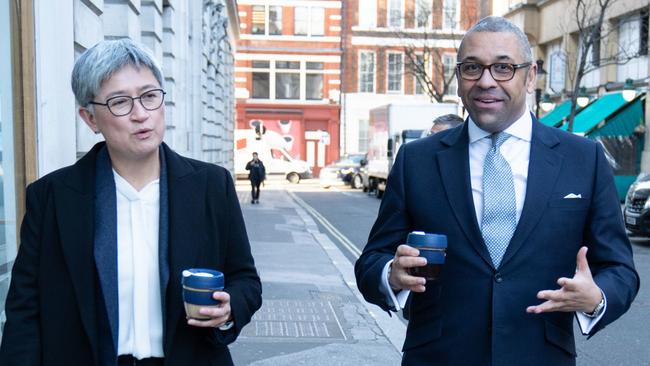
(516, 151)
(140, 312)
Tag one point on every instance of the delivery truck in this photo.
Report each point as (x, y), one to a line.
(270, 147)
(391, 126)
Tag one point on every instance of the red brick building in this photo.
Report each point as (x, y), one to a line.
(375, 66)
(288, 74)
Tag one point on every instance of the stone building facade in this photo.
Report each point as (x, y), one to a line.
(40, 131)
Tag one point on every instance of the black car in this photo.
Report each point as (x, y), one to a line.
(637, 206)
(346, 170)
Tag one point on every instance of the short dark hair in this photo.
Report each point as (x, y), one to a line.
(451, 120)
(496, 24)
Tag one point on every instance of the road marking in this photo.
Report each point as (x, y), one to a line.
(347, 244)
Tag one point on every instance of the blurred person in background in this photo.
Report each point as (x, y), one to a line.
(445, 122)
(257, 175)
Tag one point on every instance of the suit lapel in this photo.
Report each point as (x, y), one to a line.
(454, 173)
(74, 204)
(543, 171)
(186, 231)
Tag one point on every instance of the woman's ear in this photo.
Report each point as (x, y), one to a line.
(89, 118)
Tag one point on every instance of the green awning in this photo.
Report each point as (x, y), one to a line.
(596, 112)
(555, 117)
(624, 122)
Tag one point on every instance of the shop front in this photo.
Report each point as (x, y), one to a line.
(307, 132)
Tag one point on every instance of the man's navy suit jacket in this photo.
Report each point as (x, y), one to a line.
(476, 314)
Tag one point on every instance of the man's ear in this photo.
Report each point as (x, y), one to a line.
(531, 79)
(89, 118)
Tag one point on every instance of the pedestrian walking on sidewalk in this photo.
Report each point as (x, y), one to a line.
(97, 278)
(257, 175)
(535, 235)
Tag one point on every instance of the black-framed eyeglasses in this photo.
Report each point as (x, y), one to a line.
(500, 71)
(122, 105)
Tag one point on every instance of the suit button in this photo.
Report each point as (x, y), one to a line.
(498, 278)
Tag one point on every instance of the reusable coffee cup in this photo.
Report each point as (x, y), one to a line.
(432, 247)
(198, 286)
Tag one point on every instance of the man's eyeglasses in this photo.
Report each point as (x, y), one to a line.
(122, 105)
(500, 71)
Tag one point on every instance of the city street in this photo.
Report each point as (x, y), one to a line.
(344, 216)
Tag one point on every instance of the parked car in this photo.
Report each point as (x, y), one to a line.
(637, 206)
(346, 170)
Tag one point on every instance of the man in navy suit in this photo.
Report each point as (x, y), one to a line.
(534, 226)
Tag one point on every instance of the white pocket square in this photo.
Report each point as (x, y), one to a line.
(573, 195)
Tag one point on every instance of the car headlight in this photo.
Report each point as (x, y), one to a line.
(647, 204)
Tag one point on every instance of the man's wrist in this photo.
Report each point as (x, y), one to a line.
(390, 270)
(601, 304)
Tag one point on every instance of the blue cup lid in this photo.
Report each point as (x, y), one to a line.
(422, 239)
(203, 278)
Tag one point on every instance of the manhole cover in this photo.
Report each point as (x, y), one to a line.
(295, 319)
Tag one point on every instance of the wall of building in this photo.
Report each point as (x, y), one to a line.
(293, 62)
(362, 35)
(194, 42)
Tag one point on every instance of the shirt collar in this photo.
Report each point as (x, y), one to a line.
(522, 129)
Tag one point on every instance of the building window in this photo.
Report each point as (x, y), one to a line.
(363, 135)
(633, 47)
(395, 71)
(287, 80)
(423, 13)
(366, 72)
(421, 67)
(314, 81)
(317, 21)
(395, 13)
(275, 20)
(450, 14)
(261, 79)
(259, 20)
(367, 13)
(449, 69)
(308, 21)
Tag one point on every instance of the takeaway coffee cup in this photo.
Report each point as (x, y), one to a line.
(198, 286)
(432, 247)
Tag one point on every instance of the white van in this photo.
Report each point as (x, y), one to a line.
(270, 149)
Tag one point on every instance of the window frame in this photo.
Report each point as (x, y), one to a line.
(308, 21)
(273, 70)
(445, 20)
(417, 10)
(388, 72)
(388, 15)
(369, 14)
(452, 68)
(374, 70)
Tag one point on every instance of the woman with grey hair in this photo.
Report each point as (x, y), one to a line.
(104, 242)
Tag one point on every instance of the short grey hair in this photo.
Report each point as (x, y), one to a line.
(451, 120)
(496, 24)
(100, 62)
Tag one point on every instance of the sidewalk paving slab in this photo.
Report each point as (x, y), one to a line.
(312, 313)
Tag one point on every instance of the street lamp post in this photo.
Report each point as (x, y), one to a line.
(541, 80)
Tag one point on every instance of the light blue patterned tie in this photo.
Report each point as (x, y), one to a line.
(499, 205)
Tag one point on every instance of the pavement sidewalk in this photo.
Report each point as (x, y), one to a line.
(312, 312)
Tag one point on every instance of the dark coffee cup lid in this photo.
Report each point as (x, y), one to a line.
(203, 278)
(420, 239)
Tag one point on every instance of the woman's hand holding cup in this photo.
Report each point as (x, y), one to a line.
(218, 316)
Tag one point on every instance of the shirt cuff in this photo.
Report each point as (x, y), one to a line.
(586, 323)
(226, 326)
(395, 298)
